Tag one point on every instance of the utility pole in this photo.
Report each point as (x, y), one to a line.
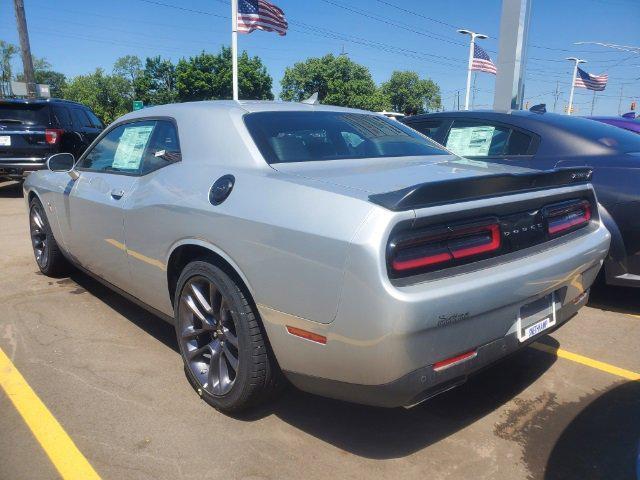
(234, 48)
(620, 101)
(458, 95)
(576, 61)
(473, 97)
(472, 43)
(25, 48)
(555, 96)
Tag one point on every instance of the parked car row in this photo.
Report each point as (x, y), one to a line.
(33, 130)
(335, 247)
(545, 141)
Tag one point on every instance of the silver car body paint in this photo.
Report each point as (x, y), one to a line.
(308, 244)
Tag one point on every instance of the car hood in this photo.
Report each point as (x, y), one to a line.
(380, 175)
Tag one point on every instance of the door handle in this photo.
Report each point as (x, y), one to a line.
(117, 194)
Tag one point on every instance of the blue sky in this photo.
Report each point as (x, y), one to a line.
(77, 36)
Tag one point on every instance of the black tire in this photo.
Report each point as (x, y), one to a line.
(49, 258)
(257, 375)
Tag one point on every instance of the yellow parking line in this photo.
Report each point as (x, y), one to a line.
(58, 446)
(589, 362)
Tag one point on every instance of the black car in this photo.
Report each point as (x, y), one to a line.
(33, 130)
(544, 141)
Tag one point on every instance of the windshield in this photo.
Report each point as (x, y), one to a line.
(24, 114)
(313, 136)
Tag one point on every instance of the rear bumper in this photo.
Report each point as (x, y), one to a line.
(18, 168)
(384, 340)
(425, 382)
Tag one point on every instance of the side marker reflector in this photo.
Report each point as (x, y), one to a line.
(313, 337)
(458, 359)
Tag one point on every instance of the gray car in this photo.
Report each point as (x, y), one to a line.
(336, 247)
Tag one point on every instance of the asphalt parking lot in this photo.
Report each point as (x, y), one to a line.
(103, 391)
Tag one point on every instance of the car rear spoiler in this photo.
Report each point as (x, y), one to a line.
(430, 194)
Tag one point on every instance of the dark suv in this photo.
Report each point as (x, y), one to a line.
(33, 130)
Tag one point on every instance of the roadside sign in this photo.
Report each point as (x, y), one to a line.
(138, 105)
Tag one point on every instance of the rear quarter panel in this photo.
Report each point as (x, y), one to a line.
(288, 240)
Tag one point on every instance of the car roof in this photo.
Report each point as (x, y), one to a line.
(39, 101)
(238, 107)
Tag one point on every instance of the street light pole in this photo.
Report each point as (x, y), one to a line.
(472, 43)
(576, 61)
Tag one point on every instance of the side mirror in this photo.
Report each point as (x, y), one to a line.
(63, 162)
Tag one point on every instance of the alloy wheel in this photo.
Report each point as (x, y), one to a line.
(208, 335)
(38, 236)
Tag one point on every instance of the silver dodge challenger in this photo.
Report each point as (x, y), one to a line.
(330, 247)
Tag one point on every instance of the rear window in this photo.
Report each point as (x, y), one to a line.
(24, 114)
(284, 137)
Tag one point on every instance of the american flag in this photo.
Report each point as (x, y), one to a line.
(482, 61)
(590, 82)
(260, 15)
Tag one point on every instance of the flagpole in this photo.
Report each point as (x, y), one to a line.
(234, 46)
(593, 102)
(473, 36)
(573, 80)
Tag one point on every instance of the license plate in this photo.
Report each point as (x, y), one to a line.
(536, 317)
(5, 141)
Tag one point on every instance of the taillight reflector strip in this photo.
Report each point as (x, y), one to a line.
(421, 262)
(457, 360)
(458, 243)
(483, 247)
(313, 337)
(569, 217)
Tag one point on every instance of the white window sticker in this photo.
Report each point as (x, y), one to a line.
(132, 143)
(470, 141)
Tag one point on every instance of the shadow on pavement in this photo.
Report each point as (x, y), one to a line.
(615, 299)
(10, 190)
(383, 433)
(143, 319)
(602, 440)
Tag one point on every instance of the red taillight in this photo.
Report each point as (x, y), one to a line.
(456, 243)
(458, 359)
(568, 217)
(53, 135)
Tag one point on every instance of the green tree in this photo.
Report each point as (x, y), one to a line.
(107, 95)
(7, 52)
(156, 84)
(207, 77)
(406, 91)
(129, 67)
(338, 81)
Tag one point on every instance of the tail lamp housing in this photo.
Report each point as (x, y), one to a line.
(53, 135)
(567, 217)
(442, 247)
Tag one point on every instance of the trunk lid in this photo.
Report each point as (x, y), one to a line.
(381, 175)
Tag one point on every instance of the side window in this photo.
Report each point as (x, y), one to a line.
(427, 127)
(163, 149)
(477, 139)
(80, 119)
(121, 150)
(63, 117)
(519, 143)
(95, 121)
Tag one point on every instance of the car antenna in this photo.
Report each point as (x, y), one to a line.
(312, 100)
(540, 108)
